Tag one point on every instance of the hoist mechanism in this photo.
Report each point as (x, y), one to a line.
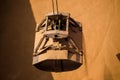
(57, 50)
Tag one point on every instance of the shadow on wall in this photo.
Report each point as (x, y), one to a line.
(118, 56)
(17, 41)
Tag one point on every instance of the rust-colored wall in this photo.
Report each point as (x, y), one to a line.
(100, 21)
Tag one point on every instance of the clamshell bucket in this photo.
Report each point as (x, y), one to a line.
(59, 48)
